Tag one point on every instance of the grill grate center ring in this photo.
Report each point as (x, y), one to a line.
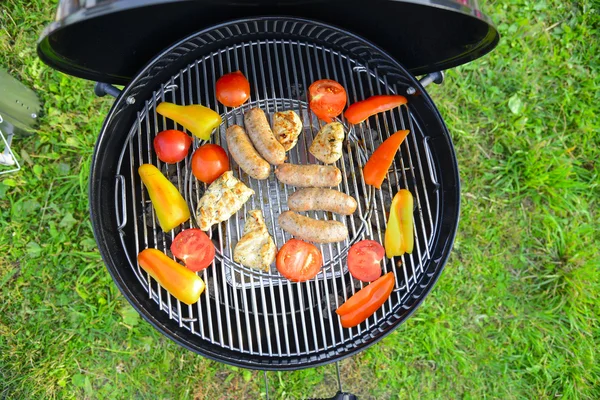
(271, 196)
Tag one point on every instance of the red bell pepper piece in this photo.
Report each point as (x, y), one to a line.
(375, 169)
(360, 111)
(366, 301)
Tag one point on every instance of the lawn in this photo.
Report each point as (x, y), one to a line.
(515, 314)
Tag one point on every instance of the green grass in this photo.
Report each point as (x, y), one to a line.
(514, 316)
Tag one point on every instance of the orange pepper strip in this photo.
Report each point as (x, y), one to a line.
(380, 161)
(182, 283)
(366, 301)
(360, 111)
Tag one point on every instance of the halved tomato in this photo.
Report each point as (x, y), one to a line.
(194, 248)
(364, 260)
(299, 261)
(327, 99)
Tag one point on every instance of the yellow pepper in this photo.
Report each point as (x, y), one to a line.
(182, 283)
(199, 120)
(399, 237)
(169, 205)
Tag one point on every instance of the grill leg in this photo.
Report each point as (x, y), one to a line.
(340, 395)
(266, 385)
(339, 378)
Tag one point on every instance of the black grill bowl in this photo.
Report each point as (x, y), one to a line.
(259, 320)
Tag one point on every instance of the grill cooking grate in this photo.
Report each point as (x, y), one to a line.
(261, 313)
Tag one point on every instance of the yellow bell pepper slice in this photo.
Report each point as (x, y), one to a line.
(199, 120)
(399, 237)
(170, 206)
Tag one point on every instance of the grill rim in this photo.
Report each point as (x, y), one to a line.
(106, 232)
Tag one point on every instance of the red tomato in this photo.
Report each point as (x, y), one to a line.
(209, 162)
(194, 248)
(172, 146)
(327, 99)
(299, 261)
(364, 260)
(233, 89)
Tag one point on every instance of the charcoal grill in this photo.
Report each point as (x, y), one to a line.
(259, 319)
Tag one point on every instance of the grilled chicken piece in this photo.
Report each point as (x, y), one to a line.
(223, 198)
(256, 248)
(327, 145)
(287, 126)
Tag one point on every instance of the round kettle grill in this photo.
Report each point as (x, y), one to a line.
(246, 317)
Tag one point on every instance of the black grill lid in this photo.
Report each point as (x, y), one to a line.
(109, 41)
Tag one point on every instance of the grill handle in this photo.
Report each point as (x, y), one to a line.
(434, 77)
(101, 89)
(121, 220)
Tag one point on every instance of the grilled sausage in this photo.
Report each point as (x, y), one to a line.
(323, 200)
(312, 230)
(262, 136)
(311, 175)
(245, 155)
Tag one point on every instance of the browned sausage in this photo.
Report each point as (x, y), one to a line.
(312, 230)
(262, 136)
(245, 155)
(322, 200)
(311, 175)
